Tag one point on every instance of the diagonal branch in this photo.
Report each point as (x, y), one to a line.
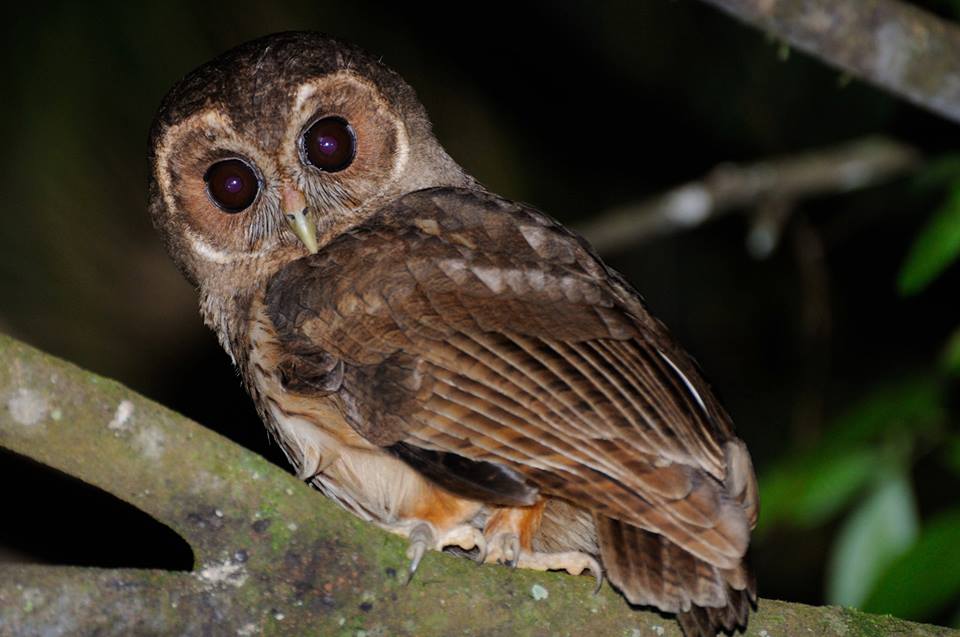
(273, 556)
(728, 187)
(899, 47)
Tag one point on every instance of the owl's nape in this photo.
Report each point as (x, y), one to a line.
(455, 367)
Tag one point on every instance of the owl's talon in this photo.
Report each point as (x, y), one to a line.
(505, 549)
(512, 551)
(421, 538)
(466, 537)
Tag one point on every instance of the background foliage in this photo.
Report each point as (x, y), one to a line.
(838, 355)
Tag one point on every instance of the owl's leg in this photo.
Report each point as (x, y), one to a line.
(434, 519)
(509, 533)
(510, 530)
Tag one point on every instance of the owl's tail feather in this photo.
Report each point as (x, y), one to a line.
(652, 571)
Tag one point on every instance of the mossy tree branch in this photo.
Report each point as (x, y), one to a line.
(895, 45)
(273, 556)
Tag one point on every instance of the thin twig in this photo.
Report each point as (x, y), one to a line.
(730, 187)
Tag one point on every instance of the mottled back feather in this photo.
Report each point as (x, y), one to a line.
(470, 325)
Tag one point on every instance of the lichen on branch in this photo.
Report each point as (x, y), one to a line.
(273, 556)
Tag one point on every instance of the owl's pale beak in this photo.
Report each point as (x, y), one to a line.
(295, 211)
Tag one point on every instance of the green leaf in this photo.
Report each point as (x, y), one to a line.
(808, 489)
(878, 531)
(925, 579)
(935, 248)
(810, 492)
(832, 484)
(910, 407)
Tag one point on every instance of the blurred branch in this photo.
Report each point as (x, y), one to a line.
(897, 46)
(273, 556)
(772, 186)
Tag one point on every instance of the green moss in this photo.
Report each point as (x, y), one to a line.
(322, 571)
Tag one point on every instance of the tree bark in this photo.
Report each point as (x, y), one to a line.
(272, 556)
(899, 47)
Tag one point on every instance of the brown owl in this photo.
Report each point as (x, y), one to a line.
(450, 365)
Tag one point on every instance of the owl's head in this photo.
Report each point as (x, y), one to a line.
(274, 148)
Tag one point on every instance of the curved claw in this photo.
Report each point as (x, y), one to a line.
(511, 550)
(573, 562)
(421, 538)
(598, 575)
(504, 548)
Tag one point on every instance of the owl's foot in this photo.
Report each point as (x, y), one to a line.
(505, 548)
(424, 536)
(573, 562)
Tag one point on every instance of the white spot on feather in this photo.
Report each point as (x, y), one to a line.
(537, 279)
(536, 236)
(490, 277)
(455, 269)
(427, 226)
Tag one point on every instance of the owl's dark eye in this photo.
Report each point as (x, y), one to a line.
(329, 144)
(232, 185)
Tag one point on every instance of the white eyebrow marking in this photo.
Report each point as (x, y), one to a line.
(685, 382)
(305, 92)
(214, 119)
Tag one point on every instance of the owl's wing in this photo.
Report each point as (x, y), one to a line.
(490, 349)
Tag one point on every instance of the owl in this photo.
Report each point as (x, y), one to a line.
(445, 363)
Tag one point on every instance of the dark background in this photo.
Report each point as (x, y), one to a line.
(574, 108)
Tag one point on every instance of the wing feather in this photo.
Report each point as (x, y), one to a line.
(471, 326)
